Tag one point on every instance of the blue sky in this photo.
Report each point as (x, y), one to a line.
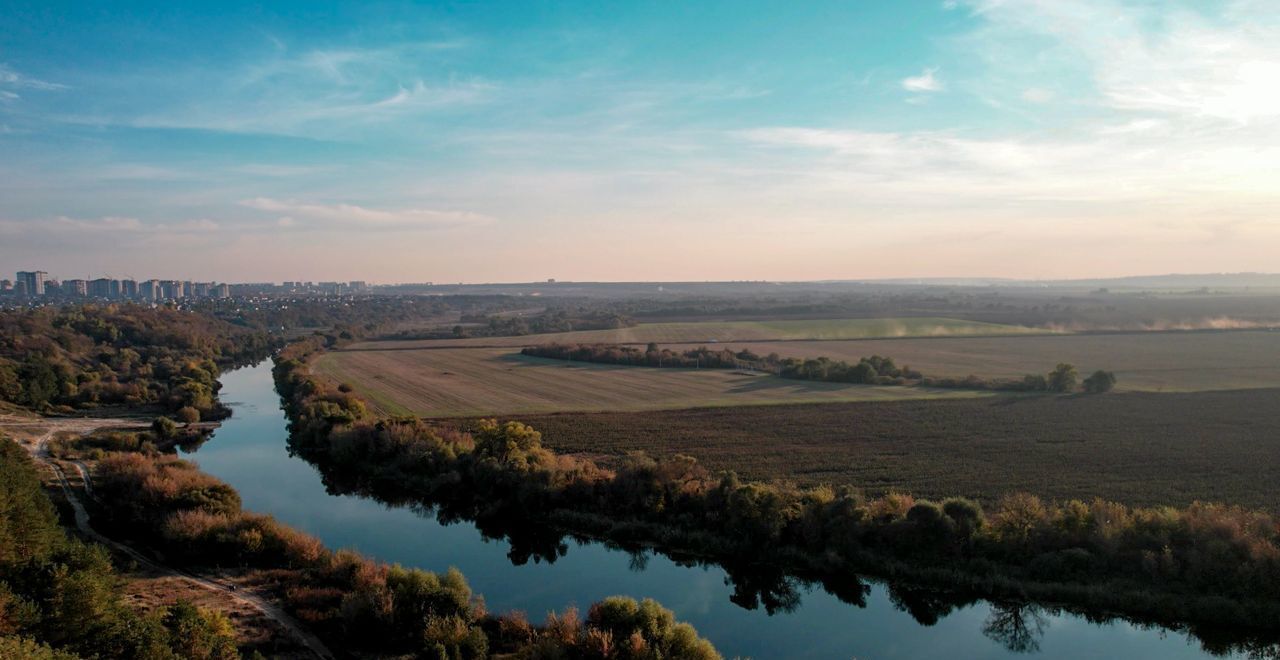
(643, 140)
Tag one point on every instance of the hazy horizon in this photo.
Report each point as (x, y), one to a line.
(619, 142)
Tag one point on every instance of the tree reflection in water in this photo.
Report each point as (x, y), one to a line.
(1018, 627)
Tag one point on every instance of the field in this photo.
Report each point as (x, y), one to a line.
(461, 382)
(724, 331)
(1195, 417)
(1138, 448)
(1154, 361)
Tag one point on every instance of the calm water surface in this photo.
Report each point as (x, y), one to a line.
(249, 452)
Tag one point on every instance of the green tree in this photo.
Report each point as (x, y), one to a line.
(164, 428)
(188, 415)
(200, 634)
(1100, 381)
(28, 524)
(40, 381)
(1063, 378)
(21, 647)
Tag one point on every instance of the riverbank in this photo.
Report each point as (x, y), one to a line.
(166, 511)
(406, 460)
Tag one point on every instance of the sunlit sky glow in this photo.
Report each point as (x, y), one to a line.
(640, 141)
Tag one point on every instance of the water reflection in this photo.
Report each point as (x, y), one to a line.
(522, 565)
(1018, 627)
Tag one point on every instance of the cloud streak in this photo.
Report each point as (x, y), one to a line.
(295, 214)
(927, 81)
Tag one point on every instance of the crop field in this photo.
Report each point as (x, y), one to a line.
(725, 331)
(484, 381)
(1138, 448)
(1155, 361)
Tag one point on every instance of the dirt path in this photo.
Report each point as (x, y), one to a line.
(41, 453)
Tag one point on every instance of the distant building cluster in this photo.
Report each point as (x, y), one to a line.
(36, 284)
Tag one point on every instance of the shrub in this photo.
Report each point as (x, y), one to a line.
(1101, 381)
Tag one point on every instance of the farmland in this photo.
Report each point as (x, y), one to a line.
(1138, 448)
(1153, 361)
(773, 330)
(483, 381)
(1194, 419)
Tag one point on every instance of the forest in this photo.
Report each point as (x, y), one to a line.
(93, 356)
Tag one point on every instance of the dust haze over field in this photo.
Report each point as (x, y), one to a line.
(1168, 361)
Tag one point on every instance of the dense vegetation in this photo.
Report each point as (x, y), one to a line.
(90, 356)
(359, 605)
(60, 599)
(874, 370)
(1207, 563)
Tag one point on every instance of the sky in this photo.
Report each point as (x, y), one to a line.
(487, 142)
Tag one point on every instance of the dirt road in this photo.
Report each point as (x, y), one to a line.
(39, 450)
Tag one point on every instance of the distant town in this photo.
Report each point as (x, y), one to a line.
(32, 285)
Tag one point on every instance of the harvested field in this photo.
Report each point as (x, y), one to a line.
(724, 331)
(1155, 361)
(1138, 448)
(469, 382)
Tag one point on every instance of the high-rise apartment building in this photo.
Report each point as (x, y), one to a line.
(33, 281)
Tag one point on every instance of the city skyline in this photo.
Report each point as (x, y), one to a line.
(620, 141)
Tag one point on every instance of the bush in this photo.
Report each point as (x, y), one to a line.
(164, 428)
(1101, 381)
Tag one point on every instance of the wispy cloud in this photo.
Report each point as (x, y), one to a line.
(927, 81)
(106, 225)
(353, 217)
(14, 80)
(1113, 165)
(1148, 57)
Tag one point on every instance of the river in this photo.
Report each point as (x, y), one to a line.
(249, 452)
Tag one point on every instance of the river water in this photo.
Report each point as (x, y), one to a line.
(249, 452)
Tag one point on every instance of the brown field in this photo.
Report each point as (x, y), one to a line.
(726, 331)
(476, 381)
(1138, 448)
(1163, 361)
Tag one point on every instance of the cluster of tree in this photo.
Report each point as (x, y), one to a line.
(653, 356)
(874, 370)
(60, 599)
(359, 604)
(93, 355)
(516, 324)
(1206, 562)
(1063, 379)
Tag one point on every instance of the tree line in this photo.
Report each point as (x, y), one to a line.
(873, 370)
(1208, 562)
(356, 604)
